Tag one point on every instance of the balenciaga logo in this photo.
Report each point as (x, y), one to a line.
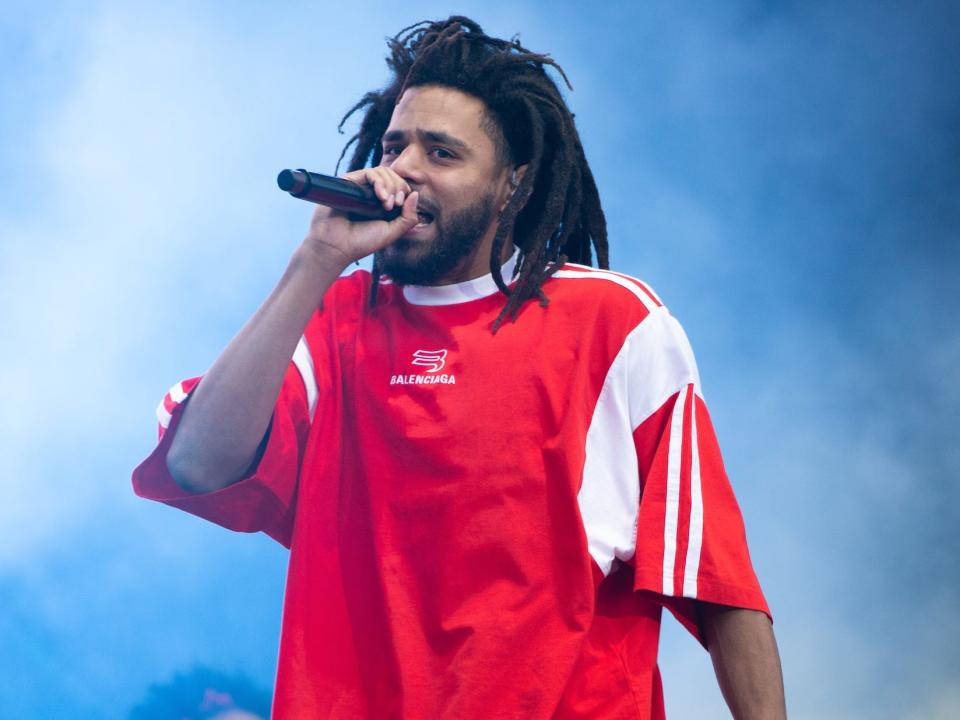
(433, 361)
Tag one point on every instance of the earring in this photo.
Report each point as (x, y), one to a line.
(514, 180)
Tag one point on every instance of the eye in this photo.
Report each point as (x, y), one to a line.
(442, 153)
(391, 150)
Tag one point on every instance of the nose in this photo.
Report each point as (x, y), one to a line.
(408, 165)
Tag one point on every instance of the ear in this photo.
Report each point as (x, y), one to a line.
(517, 175)
(513, 182)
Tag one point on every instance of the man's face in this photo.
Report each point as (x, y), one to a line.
(436, 143)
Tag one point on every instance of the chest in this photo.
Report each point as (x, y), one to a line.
(447, 376)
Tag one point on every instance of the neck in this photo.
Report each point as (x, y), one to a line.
(477, 263)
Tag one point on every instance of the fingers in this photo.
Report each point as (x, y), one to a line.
(407, 218)
(391, 189)
(401, 224)
(377, 234)
(409, 213)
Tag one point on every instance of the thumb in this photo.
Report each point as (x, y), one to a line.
(407, 217)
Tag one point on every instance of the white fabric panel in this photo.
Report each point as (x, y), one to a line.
(672, 514)
(654, 363)
(695, 538)
(662, 364)
(304, 362)
(609, 496)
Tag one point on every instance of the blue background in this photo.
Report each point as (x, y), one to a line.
(785, 174)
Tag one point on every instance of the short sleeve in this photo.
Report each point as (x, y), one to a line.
(690, 538)
(265, 499)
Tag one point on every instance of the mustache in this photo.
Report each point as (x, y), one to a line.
(428, 205)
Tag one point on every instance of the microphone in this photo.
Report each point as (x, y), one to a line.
(358, 202)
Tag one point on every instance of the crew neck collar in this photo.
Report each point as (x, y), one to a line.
(461, 292)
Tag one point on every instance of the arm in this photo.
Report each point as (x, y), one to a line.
(229, 412)
(746, 661)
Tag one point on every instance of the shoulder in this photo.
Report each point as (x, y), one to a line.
(604, 287)
(655, 356)
(616, 313)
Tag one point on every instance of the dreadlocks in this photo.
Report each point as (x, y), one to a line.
(555, 212)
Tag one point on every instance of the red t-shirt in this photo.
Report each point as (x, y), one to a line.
(480, 525)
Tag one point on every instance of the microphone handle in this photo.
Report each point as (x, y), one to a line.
(357, 201)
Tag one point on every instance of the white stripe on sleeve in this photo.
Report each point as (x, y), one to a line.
(177, 396)
(695, 540)
(672, 515)
(653, 364)
(163, 417)
(177, 393)
(304, 362)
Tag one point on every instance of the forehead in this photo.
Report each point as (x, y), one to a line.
(442, 109)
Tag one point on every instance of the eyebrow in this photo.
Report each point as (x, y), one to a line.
(432, 136)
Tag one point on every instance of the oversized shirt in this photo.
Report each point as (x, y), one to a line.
(484, 525)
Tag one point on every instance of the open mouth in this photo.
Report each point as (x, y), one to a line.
(424, 217)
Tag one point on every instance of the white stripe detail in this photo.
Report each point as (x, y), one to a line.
(611, 277)
(177, 395)
(695, 537)
(654, 362)
(650, 290)
(304, 362)
(163, 417)
(620, 274)
(466, 291)
(672, 516)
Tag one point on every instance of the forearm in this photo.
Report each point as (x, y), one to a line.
(230, 410)
(745, 659)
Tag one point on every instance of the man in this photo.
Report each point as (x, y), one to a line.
(487, 500)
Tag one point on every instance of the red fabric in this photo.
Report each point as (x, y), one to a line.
(262, 502)
(725, 573)
(439, 565)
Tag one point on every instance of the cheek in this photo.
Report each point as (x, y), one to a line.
(462, 193)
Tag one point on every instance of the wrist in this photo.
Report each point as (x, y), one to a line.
(323, 264)
(308, 277)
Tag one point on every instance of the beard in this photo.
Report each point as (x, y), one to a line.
(456, 239)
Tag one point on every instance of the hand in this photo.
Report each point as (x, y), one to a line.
(336, 241)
